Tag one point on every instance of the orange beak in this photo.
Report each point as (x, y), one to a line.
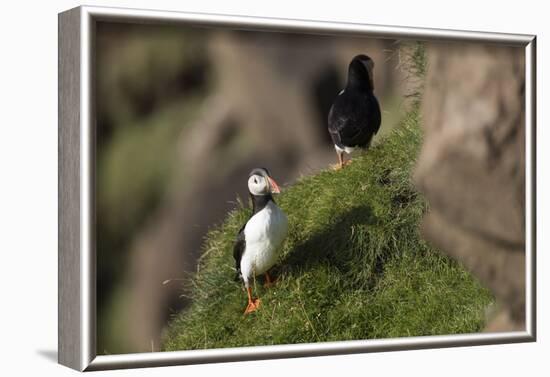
(274, 186)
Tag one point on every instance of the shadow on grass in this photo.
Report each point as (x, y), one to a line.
(345, 244)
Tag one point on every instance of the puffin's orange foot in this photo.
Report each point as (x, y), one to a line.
(252, 306)
(341, 165)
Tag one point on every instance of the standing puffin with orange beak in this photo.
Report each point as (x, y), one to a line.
(259, 241)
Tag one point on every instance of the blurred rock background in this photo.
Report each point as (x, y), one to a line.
(183, 114)
(472, 167)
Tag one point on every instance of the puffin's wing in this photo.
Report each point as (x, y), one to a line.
(238, 251)
(375, 115)
(336, 123)
(344, 124)
(353, 120)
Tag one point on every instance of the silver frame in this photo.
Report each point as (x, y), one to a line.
(77, 295)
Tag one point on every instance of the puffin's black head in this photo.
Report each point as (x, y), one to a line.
(260, 183)
(360, 73)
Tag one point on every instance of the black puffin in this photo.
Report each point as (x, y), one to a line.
(355, 117)
(259, 240)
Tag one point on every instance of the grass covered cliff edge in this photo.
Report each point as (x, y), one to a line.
(354, 265)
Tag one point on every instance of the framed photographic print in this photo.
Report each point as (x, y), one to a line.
(237, 188)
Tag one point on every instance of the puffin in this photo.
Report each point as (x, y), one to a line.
(259, 241)
(355, 116)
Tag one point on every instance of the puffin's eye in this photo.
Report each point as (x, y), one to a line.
(255, 181)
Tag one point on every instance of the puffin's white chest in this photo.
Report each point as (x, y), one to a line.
(264, 235)
(348, 150)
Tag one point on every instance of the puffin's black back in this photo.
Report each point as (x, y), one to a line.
(355, 116)
(354, 119)
(238, 251)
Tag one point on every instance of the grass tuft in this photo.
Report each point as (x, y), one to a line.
(353, 267)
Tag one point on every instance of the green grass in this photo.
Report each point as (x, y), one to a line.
(354, 265)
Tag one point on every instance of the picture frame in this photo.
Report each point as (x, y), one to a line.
(77, 254)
